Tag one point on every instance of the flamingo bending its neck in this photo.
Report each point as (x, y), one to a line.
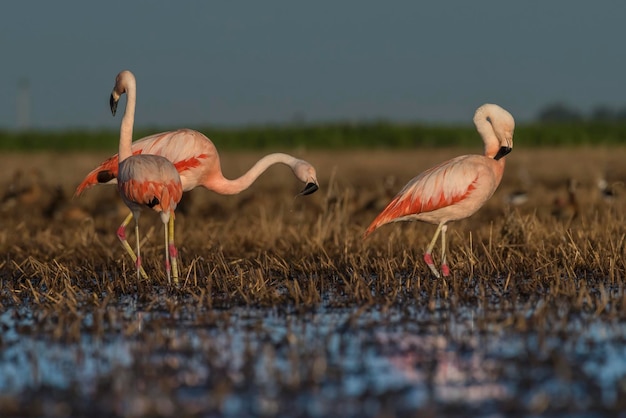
(457, 188)
(144, 180)
(198, 163)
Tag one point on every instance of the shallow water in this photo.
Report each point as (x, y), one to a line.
(367, 362)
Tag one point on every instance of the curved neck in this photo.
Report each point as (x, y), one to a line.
(218, 183)
(484, 126)
(126, 129)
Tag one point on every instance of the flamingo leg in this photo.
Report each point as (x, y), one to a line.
(121, 234)
(138, 262)
(173, 251)
(167, 255)
(428, 258)
(445, 269)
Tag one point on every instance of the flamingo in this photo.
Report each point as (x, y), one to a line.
(144, 180)
(198, 164)
(457, 188)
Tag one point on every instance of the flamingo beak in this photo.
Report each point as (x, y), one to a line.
(113, 104)
(502, 152)
(309, 189)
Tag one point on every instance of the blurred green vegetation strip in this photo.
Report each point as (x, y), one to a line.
(331, 136)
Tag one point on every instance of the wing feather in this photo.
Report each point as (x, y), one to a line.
(184, 154)
(151, 182)
(438, 187)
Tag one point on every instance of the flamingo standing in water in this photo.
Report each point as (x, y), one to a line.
(457, 188)
(144, 180)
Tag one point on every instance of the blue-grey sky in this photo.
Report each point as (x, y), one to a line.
(204, 63)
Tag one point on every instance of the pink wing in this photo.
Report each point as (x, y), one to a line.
(185, 148)
(438, 187)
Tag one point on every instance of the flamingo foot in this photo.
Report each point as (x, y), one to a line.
(431, 265)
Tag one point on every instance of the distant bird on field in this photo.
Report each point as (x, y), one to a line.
(457, 188)
(565, 208)
(25, 189)
(144, 180)
(520, 195)
(29, 194)
(517, 198)
(607, 190)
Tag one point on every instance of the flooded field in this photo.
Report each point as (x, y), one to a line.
(283, 310)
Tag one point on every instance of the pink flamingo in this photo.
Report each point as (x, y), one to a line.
(457, 188)
(198, 164)
(144, 180)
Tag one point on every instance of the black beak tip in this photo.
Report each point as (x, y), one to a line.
(503, 151)
(310, 188)
(113, 104)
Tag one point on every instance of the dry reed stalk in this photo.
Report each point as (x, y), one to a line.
(264, 247)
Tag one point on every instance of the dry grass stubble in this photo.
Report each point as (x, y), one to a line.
(266, 248)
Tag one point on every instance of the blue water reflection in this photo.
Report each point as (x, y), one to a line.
(325, 362)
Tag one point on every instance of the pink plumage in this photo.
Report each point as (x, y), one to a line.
(151, 182)
(189, 153)
(198, 163)
(457, 188)
(192, 153)
(144, 180)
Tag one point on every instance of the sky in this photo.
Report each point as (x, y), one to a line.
(235, 63)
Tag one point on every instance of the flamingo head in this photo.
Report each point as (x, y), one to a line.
(306, 173)
(496, 126)
(503, 126)
(122, 81)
